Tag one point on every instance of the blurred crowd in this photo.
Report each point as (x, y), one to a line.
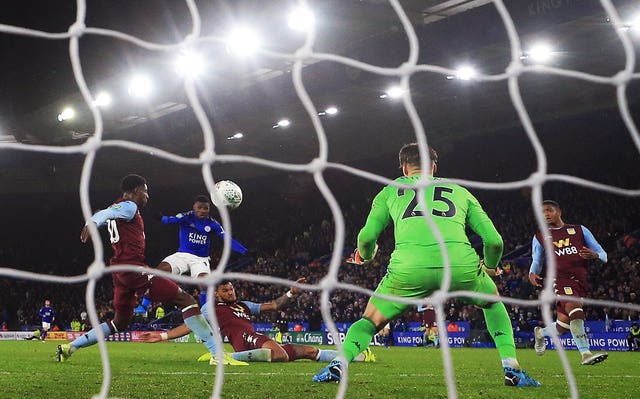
(279, 250)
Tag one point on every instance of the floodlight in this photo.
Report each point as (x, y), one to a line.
(331, 110)
(393, 92)
(189, 64)
(540, 52)
(301, 19)
(282, 123)
(243, 41)
(103, 99)
(236, 136)
(465, 73)
(66, 114)
(139, 86)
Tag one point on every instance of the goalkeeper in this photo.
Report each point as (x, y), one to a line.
(416, 267)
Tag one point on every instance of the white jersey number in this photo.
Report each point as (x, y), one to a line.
(114, 236)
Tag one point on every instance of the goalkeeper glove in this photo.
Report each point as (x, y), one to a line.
(356, 259)
(491, 272)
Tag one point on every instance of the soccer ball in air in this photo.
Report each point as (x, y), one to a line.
(229, 192)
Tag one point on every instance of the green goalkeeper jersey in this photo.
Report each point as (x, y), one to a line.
(452, 208)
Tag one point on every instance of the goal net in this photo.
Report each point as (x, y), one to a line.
(510, 115)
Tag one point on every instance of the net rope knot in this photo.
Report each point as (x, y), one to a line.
(621, 78)
(77, 29)
(95, 271)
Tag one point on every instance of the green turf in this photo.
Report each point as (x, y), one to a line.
(28, 370)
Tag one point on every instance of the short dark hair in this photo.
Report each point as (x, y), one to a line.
(130, 182)
(410, 155)
(223, 282)
(202, 198)
(552, 203)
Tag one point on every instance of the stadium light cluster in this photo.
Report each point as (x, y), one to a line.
(538, 53)
(393, 92)
(301, 19)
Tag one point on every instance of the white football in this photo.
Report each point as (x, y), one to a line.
(229, 192)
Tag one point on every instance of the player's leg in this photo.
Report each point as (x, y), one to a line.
(561, 326)
(165, 266)
(167, 291)
(45, 330)
(123, 303)
(498, 323)
(261, 348)
(200, 268)
(161, 289)
(413, 284)
(575, 314)
(296, 351)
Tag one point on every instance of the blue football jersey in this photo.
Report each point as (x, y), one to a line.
(195, 233)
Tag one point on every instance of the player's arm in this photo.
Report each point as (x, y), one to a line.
(279, 302)
(482, 225)
(537, 256)
(157, 336)
(377, 221)
(593, 249)
(122, 210)
(178, 218)
(235, 245)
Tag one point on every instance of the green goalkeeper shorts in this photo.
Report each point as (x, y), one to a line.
(418, 283)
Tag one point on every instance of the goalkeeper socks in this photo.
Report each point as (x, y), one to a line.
(254, 355)
(90, 338)
(145, 302)
(197, 323)
(499, 326)
(326, 355)
(358, 338)
(579, 335)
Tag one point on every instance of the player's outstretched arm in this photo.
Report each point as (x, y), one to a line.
(282, 300)
(156, 336)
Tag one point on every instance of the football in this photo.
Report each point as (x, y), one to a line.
(229, 192)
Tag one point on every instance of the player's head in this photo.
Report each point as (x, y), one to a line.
(409, 158)
(634, 325)
(225, 292)
(47, 302)
(201, 206)
(134, 188)
(552, 213)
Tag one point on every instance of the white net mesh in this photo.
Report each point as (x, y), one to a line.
(306, 53)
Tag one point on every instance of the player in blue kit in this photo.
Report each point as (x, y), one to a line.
(126, 233)
(196, 227)
(47, 316)
(573, 246)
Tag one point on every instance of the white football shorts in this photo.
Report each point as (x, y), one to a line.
(183, 262)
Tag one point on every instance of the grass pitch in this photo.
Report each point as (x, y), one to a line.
(28, 369)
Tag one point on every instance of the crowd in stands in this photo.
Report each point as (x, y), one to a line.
(613, 220)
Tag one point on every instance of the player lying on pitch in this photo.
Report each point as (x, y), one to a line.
(251, 346)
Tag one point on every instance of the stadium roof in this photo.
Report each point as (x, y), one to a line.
(250, 95)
